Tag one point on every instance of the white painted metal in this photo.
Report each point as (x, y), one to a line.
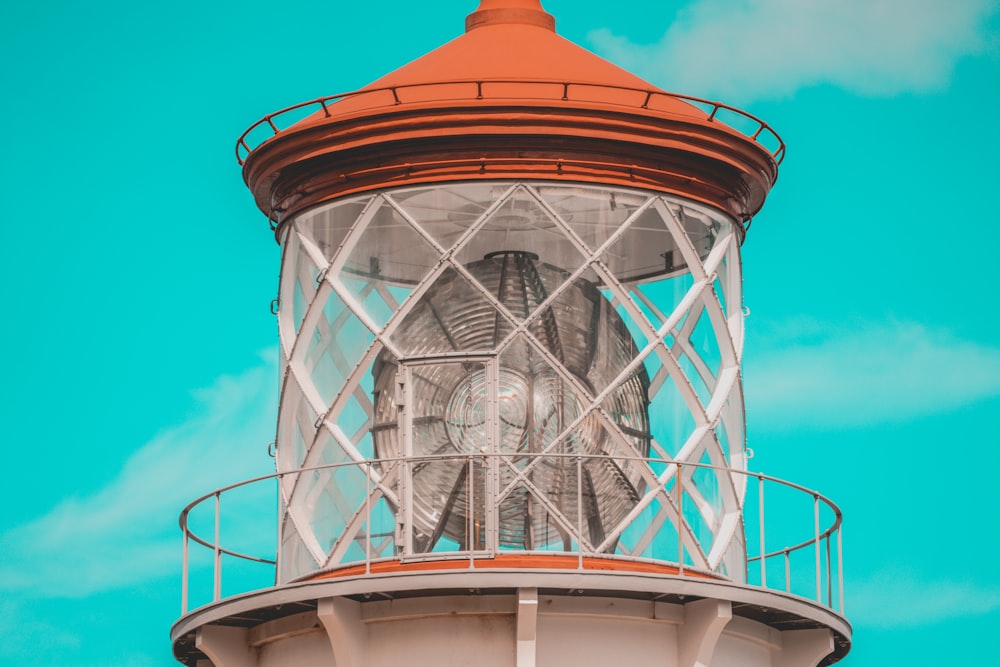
(355, 274)
(527, 627)
(570, 234)
(784, 519)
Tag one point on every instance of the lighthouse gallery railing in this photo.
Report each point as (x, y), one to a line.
(808, 525)
(496, 90)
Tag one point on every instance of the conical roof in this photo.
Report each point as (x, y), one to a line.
(513, 41)
(509, 98)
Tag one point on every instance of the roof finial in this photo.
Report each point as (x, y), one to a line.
(493, 12)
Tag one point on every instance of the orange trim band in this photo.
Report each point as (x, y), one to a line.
(518, 561)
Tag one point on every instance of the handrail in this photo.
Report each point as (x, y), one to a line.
(817, 538)
(479, 92)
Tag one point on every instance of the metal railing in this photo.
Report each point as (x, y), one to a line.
(493, 90)
(810, 562)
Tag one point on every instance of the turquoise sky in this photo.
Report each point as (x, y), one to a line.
(137, 276)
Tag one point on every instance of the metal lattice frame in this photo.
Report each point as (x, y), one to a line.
(336, 319)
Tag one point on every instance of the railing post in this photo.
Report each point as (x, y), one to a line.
(579, 512)
(470, 512)
(217, 567)
(368, 518)
(788, 572)
(829, 574)
(281, 529)
(760, 521)
(819, 567)
(184, 571)
(680, 519)
(840, 565)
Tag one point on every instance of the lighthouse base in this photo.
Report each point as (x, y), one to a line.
(425, 620)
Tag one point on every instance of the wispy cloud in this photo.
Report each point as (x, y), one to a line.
(127, 532)
(757, 49)
(809, 373)
(21, 631)
(893, 599)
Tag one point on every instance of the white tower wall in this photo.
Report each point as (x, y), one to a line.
(523, 628)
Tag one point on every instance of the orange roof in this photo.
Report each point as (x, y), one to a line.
(510, 40)
(509, 99)
(512, 51)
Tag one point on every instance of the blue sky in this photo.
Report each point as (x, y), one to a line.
(137, 276)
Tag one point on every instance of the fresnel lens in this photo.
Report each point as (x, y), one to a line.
(519, 382)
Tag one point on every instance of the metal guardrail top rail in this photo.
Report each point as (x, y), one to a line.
(478, 90)
(819, 536)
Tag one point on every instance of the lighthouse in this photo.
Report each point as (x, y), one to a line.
(511, 429)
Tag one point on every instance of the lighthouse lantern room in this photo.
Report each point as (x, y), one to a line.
(511, 427)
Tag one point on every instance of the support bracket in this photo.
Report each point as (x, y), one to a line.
(804, 648)
(704, 621)
(226, 646)
(341, 618)
(527, 626)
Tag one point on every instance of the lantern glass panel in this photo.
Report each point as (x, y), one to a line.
(521, 362)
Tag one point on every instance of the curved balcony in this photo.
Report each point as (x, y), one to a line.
(790, 537)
